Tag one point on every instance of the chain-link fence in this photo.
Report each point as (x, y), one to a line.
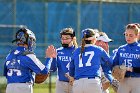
(47, 17)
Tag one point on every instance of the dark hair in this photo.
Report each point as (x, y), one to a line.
(86, 34)
(67, 31)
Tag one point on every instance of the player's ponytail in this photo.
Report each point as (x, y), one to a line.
(83, 45)
(75, 42)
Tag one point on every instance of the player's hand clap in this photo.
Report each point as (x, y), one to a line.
(51, 52)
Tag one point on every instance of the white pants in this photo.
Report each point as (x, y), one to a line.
(85, 85)
(19, 88)
(106, 91)
(129, 85)
(63, 87)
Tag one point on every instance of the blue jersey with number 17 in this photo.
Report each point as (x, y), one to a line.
(89, 64)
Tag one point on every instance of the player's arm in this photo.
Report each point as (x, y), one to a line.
(106, 58)
(51, 58)
(107, 72)
(71, 69)
(52, 63)
(116, 59)
(35, 64)
(5, 70)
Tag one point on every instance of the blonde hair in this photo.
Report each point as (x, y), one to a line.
(134, 27)
(75, 42)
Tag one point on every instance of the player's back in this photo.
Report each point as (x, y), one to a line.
(89, 64)
(19, 67)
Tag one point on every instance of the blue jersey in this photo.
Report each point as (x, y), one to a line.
(90, 63)
(18, 67)
(107, 70)
(61, 63)
(128, 55)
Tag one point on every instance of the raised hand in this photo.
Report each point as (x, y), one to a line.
(51, 52)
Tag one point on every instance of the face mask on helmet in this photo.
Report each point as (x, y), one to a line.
(67, 31)
(26, 36)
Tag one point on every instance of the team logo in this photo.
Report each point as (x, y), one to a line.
(122, 49)
(16, 52)
(13, 62)
(60, 53)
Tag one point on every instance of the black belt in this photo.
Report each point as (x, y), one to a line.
(63, 81)
(88, 78)
(127, 76)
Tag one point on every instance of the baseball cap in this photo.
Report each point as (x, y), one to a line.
(104, 37)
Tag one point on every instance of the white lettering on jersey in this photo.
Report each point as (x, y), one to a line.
(67, 66)
(16, 52)
(64, 58)
(88, 63)
(36, 61)
(128, 62)
(129, 55)
(7, 63)
(11, 71)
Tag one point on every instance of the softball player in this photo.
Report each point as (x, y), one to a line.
(85, 64)
(102, 41)
(61, 58)
(129, 55)
(21, 62)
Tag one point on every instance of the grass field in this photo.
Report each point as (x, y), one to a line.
(44, 88)
(38, 88)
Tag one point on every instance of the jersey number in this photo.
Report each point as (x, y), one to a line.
(12, 71)
(128, 62)
(88, 63)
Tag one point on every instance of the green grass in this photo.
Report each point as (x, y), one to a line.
(38, 88)
(44, 88)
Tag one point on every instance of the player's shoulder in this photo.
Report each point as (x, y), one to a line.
(123, 46)
(30, 56)
(59, 49)
(77, 49)
(138, 44)
(97, 48)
